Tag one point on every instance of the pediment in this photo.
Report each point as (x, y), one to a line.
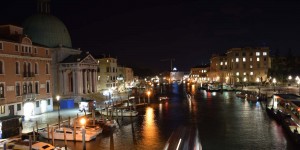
(89, 59)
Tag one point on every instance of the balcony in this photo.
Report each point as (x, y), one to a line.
(29, 96)
(28, 74)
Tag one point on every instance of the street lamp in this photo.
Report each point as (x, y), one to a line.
(57, 98)
(148, 93)
(274, 82)
(298, 82)
(297, 79)
(290, 78)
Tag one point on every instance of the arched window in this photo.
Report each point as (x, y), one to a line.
(47, 68)
(25, 69)
(30, 87)
(18, 89)
(29, 68)
(24, 88)
(36, 71)
(1, 90)
(36, 88)
(48, 87)
(17, 67)
(1, 67)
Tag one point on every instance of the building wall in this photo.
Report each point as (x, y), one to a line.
(199, 74)
(108, 73)
(23, 52)
(241, 65)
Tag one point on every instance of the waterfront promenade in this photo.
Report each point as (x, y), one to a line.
(49, 118)
(52, 117)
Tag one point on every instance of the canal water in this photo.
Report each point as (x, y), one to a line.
(223, 122)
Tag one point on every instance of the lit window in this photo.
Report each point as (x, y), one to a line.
(264, 53)
(221, 63)
(245, 73)
(204, 70)
(244, 59)
(257, 53)
(1, 90)
(236, 59)
(257, 59)
(237, 73)
(250, 59)
(251, 66)
(225, 63)
(251, 73)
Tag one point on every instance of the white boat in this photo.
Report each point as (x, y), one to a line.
(59, 134)
(162, 98)
(119, 113)
(18, 143)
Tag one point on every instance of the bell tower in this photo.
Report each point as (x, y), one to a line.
(43, 6)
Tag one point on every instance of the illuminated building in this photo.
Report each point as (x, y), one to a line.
(108, 73)
(25, 74)
(241, 65)
(199, 73)
(125, 76)
(73, 71)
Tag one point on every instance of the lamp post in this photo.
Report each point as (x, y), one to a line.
(290, 78)
(83, 122)
(57, 98)
(297, 79)
(274, 82)
(298, 82)
(148, 93)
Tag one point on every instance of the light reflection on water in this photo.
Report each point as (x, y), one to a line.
(150, 130)
(224, 122)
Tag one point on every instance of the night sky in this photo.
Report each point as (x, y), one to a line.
(140, 33)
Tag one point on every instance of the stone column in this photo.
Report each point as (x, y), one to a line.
(79, 81)
(85, 80)
(61, 84)
(90, 81)
(75, 82)
(95, 81)
(65, 83)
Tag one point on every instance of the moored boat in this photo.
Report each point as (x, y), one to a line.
(240, 94)
(119, 112)
(58, 134)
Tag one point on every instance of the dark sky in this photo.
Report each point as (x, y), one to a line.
(142, 32)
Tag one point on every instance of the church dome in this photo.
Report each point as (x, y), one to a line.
(47, 30)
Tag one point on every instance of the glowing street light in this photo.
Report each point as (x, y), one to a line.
(148, 93)
(57, 98)
(290, 78)
(298, 82)
(274, 82)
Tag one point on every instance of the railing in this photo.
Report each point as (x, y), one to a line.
(29, 96)
(28, 74)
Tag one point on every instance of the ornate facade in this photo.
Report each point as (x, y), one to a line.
(25, 75)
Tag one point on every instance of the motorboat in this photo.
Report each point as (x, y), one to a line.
(119, 112)
(163, 98)
(240, 94)
(109, 123)
(59, 134)
(252, 98)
